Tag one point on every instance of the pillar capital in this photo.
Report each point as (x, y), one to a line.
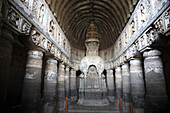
(135, 54)
(151, 53)
(51, 60)
(35, 54)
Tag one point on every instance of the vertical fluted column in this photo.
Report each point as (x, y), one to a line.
(67, 74)
(118, 77)
(50, 85)
(156, 95)
(32, 82)
(126, 87)
(5, 61)
(61, 89)
(73, 85)
(137, 85)
(110, 85)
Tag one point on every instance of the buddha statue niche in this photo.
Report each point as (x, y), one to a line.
(92, 90)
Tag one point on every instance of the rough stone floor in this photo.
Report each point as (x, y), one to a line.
(75, 108)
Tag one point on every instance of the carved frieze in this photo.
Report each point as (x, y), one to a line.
(18, 22)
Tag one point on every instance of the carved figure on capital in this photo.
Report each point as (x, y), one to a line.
(48, 46)
(25, 27)
(152, 35)
(52, 49)
(134, 51)
(159, 25)
(13, 18)
(36, 37)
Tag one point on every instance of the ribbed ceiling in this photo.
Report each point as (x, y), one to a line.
(74, 17)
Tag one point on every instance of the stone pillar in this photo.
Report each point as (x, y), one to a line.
(156, 95)
(137, 85)
(32, 82)
(118, 77)
(61, 89)
(110, 86)
(126, 87)
(81, 89)
(1, 16)
(73, 87)
(5, 61)
(50, 86)
(67, 74)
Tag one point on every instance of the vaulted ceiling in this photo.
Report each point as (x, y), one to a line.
(74, 17)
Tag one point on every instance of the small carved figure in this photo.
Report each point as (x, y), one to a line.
(132, 27)
(52, 49)
(41, 13)
(25, 2)
(13, 18)
(125, 38)
(26, 28)
(142, 11)
(43, 43)
(48, 46)
(167, 19)
(36, 38)
(58, 38)
(52, 27)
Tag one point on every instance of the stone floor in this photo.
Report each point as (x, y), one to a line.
(75, 108)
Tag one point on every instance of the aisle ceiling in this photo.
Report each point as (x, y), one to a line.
(74, 17)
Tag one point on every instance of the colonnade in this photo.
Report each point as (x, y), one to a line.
(140, 81)
(46, 90)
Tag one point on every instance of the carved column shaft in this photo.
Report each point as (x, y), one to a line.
(137, 85)
(67, 74)
(156, 95)
(5, 61)
(126, 87)
(118, 77)
(50, 85)
(73, 85)
(110, 84)
(61, 89)
(32, 82)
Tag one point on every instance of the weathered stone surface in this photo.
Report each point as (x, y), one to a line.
(110, 86)
(156, 95)
(32, 82)
(73, 88)
(5, 62)
(118, 77)
(50, 86)
(66, 81)
(61, 89)
(137, 85)
(126, 87)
